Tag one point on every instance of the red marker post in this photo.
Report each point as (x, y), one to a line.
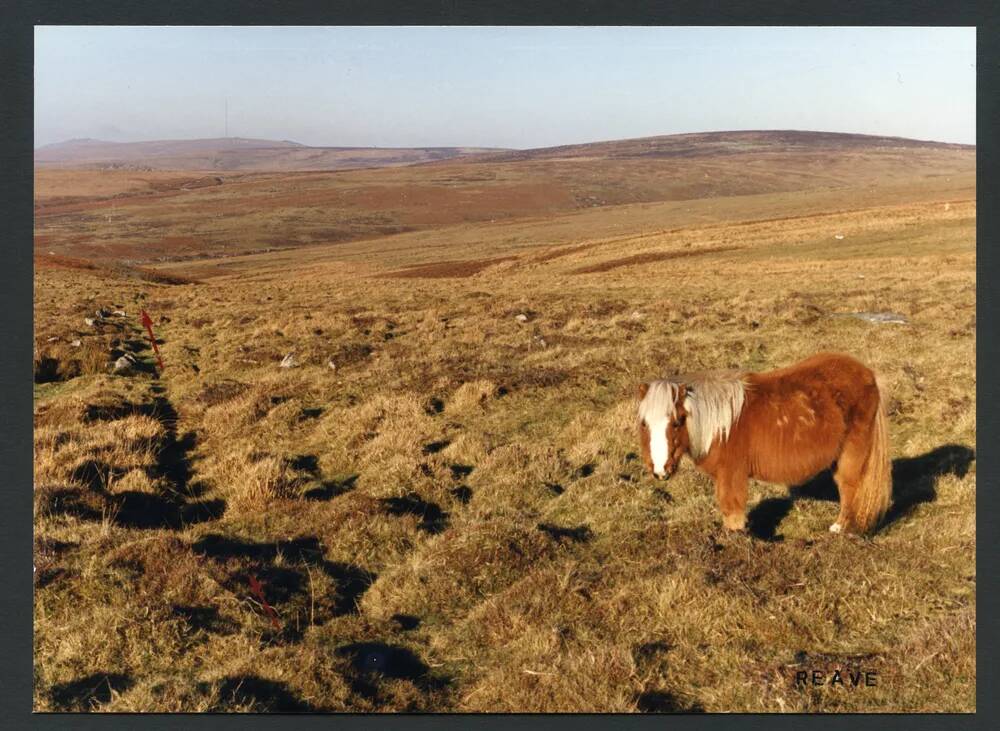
(258, 591)
(148, 324)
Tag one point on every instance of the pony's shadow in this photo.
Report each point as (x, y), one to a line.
(913, 481)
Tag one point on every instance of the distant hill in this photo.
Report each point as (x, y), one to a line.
(715, 144)
(235, 154)
(239, 154)
(162, 214)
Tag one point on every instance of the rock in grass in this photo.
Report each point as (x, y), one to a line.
(125, 365)
(881, 318)
(521, 318)
(289, 361)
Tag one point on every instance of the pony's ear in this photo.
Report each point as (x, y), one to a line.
(643, 390)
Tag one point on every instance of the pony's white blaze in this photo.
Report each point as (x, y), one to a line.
(656, 410)
(659, 450)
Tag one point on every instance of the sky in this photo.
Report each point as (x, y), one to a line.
(517, 87)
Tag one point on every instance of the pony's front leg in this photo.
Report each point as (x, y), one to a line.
(731, 492)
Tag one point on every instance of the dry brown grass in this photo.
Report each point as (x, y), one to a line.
(454, 518)
(649, 258)
(447, 269)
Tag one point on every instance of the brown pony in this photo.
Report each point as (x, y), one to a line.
(782, 426)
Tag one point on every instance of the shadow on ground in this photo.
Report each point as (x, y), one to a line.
(205, 619)
(172, 508)
(432, 519)
(255, 694)
(371, 662)
(284, 570)
(913, 482)
(577, 534)
(329, 489)
(83, 694)
(658, 701)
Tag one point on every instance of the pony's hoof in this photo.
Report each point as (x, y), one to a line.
(836, 528)
(735, 523)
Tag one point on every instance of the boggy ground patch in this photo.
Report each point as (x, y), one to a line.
(300, 595)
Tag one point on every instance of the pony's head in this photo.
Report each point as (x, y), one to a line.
(663, 433)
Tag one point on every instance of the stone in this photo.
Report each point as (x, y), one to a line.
(878, 318)
(125, 364)
(289, 361)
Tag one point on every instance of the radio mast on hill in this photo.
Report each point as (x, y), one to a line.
(227, 118)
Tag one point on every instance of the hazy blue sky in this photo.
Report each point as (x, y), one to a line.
(498, 86)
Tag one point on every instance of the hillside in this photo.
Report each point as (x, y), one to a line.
(232, 154)
(164, 215)
(714, 144)
(440, 504)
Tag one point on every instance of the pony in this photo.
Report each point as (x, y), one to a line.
(783, 426)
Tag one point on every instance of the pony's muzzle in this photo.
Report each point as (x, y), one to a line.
(668, 471)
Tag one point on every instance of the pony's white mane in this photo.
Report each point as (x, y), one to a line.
(659, 401)
(714, 401)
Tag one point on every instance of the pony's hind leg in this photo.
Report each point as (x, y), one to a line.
(731, 493)
(850, 466)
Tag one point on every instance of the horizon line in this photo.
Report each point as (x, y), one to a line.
(503, 149)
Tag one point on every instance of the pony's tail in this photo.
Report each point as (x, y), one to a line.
(871, 501)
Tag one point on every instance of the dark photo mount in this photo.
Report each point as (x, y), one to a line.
(376, 621)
